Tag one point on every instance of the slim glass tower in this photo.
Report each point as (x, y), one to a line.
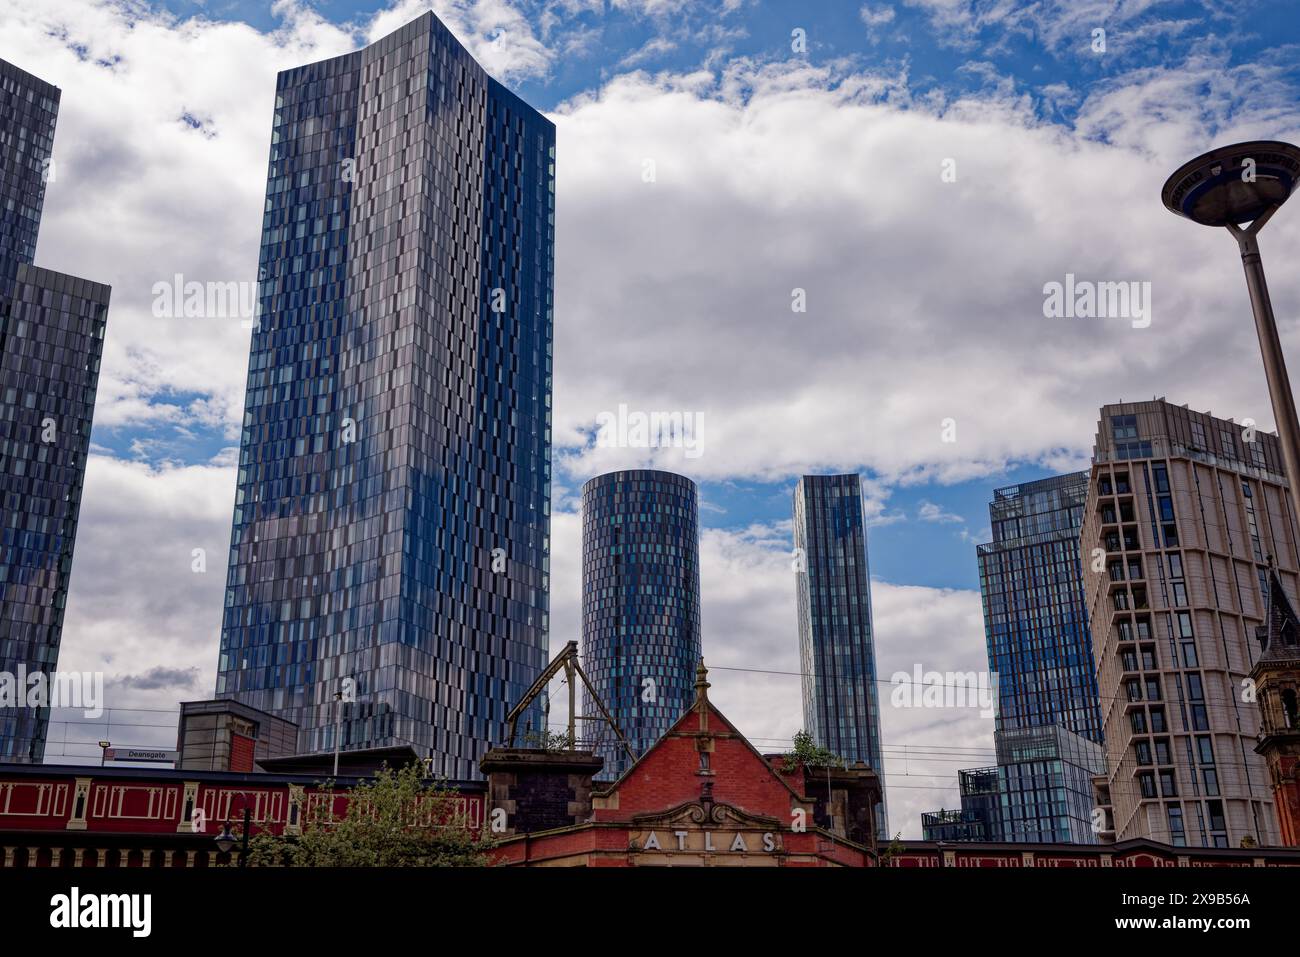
(1035, 619)
(640, 604)
(51, 339)
(837, 651)
(390, 538)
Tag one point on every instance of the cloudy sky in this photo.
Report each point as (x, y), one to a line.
(915, 172)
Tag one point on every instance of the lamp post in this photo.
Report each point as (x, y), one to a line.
(225, 840)
(1231, 187)
(103, 751)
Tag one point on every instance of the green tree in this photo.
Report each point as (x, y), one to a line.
(810, 755)
(546, 740)
(893, 850)
(397, 819)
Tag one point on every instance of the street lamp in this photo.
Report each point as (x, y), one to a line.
(1230, 187)
(226, 840)
(103, 751)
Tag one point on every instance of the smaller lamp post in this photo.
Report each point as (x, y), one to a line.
(226, 840)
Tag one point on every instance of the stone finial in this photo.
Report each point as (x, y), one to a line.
(701, 683)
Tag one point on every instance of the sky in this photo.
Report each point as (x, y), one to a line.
(912, 174)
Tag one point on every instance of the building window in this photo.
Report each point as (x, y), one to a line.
(1147, 782)
(1228, 442)
(1167, 786)
(1124, 426)
(1177, 834)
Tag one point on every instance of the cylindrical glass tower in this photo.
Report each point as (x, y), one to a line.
(640, 605)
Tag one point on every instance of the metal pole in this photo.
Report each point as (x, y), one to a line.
(1270, 347)
(248, 823)
(573, 698)
(338, 716)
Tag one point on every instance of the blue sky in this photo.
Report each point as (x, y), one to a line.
(778, 170)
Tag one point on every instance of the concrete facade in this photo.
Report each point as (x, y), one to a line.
(1184, 511)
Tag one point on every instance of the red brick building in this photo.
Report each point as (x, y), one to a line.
(62, 816)
(703, 796)
(1276, 677)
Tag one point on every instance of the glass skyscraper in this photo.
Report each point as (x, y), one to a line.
(51, 339)
(1035, 618)
(390, 540)
(640, 605)
(837, 653)
(1048, 724)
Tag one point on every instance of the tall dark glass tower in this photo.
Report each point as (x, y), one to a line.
(51, 339)
(640, 603)
(1048, 728)
(391, 520)
(837, 654)
(1035, 618)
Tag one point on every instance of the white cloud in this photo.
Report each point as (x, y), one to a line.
(138, 611)
(930, 512)
(876, 16)
(1057, 25)
(924, 297)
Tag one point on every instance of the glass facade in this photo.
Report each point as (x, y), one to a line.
(1040, 792)
(1048, 729)
(29, 108)
(1035, 617)
(640, 604)
(390, 539)
(837, 653)
(1045, 776)
(51, 340)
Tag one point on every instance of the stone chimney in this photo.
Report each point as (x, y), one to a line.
(537, 789)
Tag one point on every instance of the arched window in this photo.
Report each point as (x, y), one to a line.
(1289, 707)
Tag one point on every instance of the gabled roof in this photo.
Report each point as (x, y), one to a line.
(714, 722)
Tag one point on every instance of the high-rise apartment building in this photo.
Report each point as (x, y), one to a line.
(837, 654)
(640, 604)
(1035, 620)
(1184, 512)
(390, 537)
(51, 339)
